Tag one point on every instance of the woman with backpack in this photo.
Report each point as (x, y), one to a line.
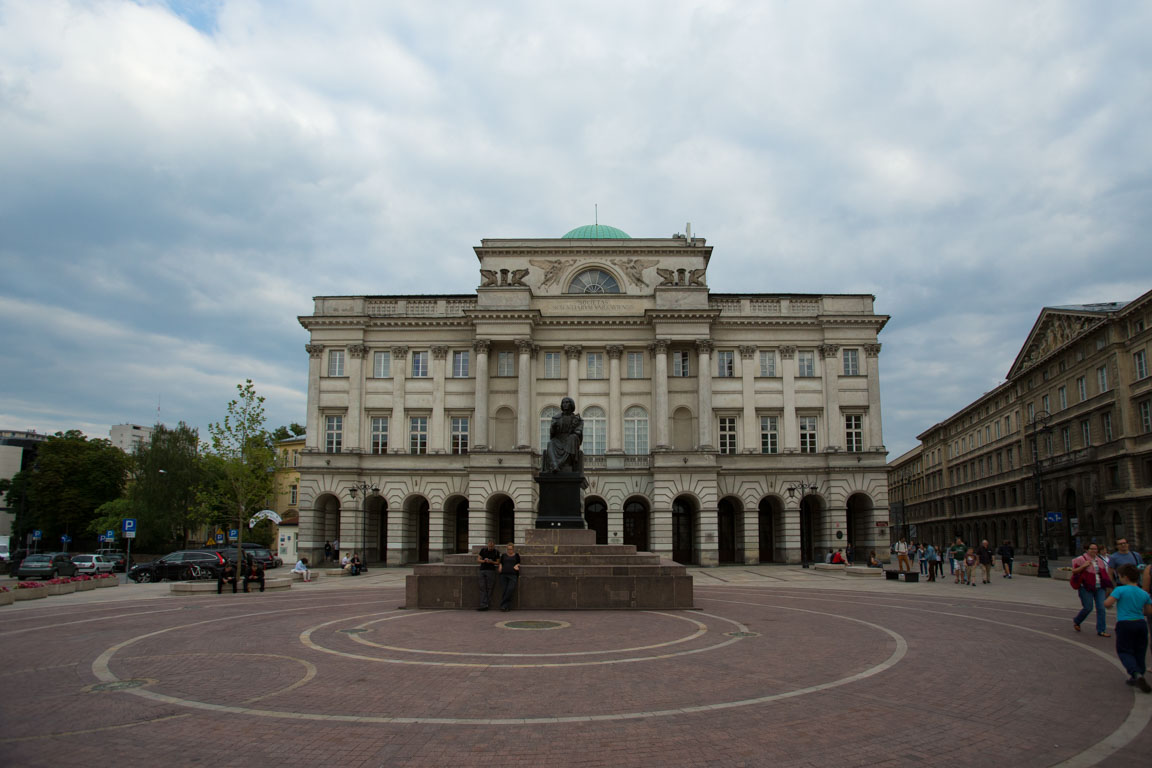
(1090, 580)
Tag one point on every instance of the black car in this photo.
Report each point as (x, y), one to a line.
(261, 555)
(183, 565)
(46, 566)
(117, 556)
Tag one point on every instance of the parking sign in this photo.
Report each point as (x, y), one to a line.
(219, 538)
(109, 535)
(233, 534)
(129, 527)
(37, 535)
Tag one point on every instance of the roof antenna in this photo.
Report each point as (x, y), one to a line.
(596, 218)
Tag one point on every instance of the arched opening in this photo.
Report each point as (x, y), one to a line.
(810, 507)
(376, 536)
(684, 530)
(727, 522)
(504, 435)
(596, 518)
(683, 436)
(456, 523)
(419, 520)
(859, 514)
(771, 512)
(636, 524)
(327, 520)
(505, 514)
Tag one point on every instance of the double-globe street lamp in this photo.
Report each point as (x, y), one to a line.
(362, 488)
(1039, 425)
(803, 489)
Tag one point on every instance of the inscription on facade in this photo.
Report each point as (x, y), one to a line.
(590, 305)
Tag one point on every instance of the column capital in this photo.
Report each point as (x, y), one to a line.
(573, 351)
(660, 346)
(705, 346)
(439, 352)
(829, 350)
(615, 351)
(481, 346)
(524, 345)
(872, 350)
(534, 350)
(357, 350)
(314, 350)
(747, 351)
(400, 352)
(787, 352)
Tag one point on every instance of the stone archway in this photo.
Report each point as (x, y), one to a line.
(502, 512)
(771, 512)
(327, 523)
(636, 524)
(811, 507)
(684, 530)
(457, 526)
(376, 533)
(859, 515)
(596, 518)
(729, 526)
(418, 518)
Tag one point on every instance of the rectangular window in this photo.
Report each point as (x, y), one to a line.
(999, 462)
(727, 434)
(553, 365)
(418, 434)
(335, 362)
(1044, 405)
(459, 435)
(381, 365)
(595, 365)
(1082, 389)
(461, 364)
(1066, 436)
(808, 434)
(1106, 424)
(1008, 455)
(769, 436)
(1102, 378)
(379, 434)
(851, 362)
(1031, 411)
(333, 434)
(634, 368)
(767, 362)
(997, 430)
(1140, 365)
(805, 363)
(1145, 408)
(293, 494)
(505, 363)
(419, 365)
(1086, 433)
(681, 363)
(853, 432)
(1062, 396)
(725, 363)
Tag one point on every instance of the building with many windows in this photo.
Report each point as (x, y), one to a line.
(718, 428)
(1073, 418)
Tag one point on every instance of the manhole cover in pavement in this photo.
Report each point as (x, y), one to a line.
(742, 634)
(533, 624)
(118, 685)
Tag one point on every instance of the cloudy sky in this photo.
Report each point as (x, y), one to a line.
(177, 179)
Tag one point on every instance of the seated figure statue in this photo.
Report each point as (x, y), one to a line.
(562, 454)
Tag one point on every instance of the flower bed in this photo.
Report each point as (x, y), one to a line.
(106, 580)
(83, 583)
(7, 597)
(59, 586)
(1063, 572)
(29, 590)
(1025, 569)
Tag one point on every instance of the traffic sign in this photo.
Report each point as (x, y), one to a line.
(109, 535)
(65, 538)
(129, 527)
(101, 538)
(219, 538)
(1054, 517)
(233, 534)
(37, 534)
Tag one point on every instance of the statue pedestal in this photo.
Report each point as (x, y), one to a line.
(559, 505)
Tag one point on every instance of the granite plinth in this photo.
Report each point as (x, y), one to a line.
(559, 506)
(560, 569)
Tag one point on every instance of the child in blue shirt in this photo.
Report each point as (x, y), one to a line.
(1132, 605)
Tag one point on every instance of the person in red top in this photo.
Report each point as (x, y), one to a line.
(839, 559)
(1092, 573)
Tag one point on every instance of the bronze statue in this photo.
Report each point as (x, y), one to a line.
(562, 454)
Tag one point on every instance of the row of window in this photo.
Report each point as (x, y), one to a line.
(595, 432)
(555, 368)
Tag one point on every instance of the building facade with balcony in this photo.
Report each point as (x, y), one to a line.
(1073, 418)
(718, 428)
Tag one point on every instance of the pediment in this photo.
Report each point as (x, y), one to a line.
(1055, 328)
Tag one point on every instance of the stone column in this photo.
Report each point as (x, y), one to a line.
(660, 532)
(480, 414)
(354, 426)
(615, 526)
(615, 415)
(752, 536)
(788, 425)
(437, 545)
(436, 438)
(573, 353)
(833, 429)
(704, 378)
(748, 397)
(788, 538)
(660, 393)
(875, 430)
(398, 427)
(524, 399)
(314, 440)
(400, 544)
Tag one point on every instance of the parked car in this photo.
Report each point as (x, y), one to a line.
(179, 566)
(92, 564)
(262, 555)
(46, 566)
(117, 556)
(277, 561)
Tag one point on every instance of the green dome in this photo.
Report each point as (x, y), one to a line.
(597, 232)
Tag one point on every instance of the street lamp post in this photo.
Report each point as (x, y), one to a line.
(802, 488)
(1039, 425)
(362, 488)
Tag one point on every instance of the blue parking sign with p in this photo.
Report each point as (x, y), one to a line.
(233, 533)
(37, 535)
(219, 538)
(129, 524)
(109, 535)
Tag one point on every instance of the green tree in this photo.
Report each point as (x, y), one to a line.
(168, 476)
(109, 516)
(283, 433)
(243, 460)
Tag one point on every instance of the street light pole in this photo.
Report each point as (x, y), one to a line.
(1039, 425)
(362, 488)
(803, 489)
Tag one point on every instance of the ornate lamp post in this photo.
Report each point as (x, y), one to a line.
(803, 489)
(1039, 425)
(362, 488)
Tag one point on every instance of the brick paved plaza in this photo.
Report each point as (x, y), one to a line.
(778, 666)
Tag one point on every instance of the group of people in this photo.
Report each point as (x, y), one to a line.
(332, 551)
(965, 563)
(495, 565)
(251, 572)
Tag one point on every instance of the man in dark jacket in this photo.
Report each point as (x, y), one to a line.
(984, 556)
(488, 558)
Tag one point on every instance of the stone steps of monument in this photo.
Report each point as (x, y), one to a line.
(667, 568)
(547, 558)
(567, 549)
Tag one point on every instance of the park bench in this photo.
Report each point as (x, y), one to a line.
(908, 576)
(209, 587)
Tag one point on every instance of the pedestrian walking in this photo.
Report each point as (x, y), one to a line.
(984, 556)
(1123, 555)
(956, 557)
(930, 557)
(970, 561)
(488, 558)
(1007, 555)
(1133, 607)
(335, 550)
(509, 576)
(902, 556)
(922, 556)
(1091, 581)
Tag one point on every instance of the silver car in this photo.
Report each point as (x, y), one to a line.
(93, 564)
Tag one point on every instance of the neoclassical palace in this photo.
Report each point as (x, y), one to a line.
(718, 428)
(1071, 426)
